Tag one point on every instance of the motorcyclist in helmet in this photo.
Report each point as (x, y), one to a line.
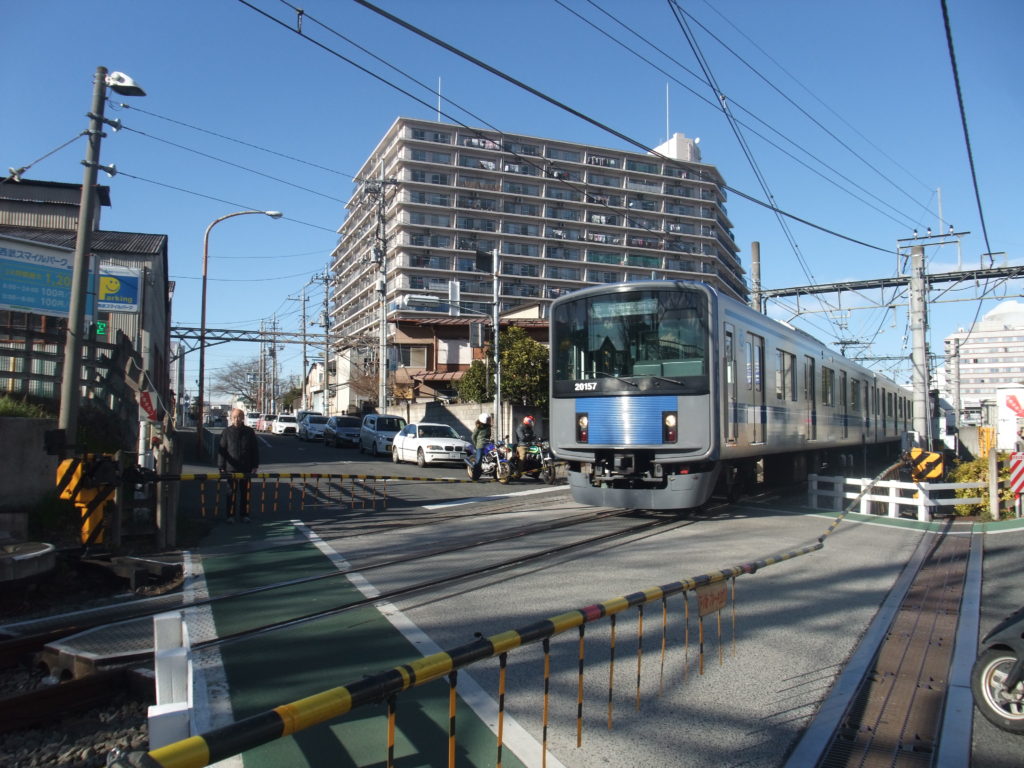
(524, 436)
(481, 437)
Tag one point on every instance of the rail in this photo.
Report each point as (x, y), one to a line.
(711, 596)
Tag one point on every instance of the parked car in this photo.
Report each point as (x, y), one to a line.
(285, 424)
(311, 427)
(266, 422)
(342, 430)
(300, 415)
(252, 419)
(377, 432)
(429, 443)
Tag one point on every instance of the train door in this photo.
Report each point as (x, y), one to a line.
(844, 403)
(755, 383)
(810, 377)
(729, 397)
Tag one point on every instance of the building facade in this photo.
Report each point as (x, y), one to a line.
(559, 215)
(984, 359)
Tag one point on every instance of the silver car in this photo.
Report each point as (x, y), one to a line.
(312, 427)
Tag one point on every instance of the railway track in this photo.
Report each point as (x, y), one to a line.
(57, 700)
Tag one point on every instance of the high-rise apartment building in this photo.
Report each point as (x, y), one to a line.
(991, 355)
(559, 215)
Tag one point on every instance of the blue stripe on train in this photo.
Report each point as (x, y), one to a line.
(626, 420)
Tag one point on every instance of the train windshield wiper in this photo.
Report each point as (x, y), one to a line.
(617, 378)
(676, 382)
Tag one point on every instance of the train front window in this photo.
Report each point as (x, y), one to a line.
(644, 333)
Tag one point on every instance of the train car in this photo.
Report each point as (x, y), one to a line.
(663, 391)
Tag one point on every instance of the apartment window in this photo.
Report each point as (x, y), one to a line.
(520, 228)
(563, 273)
(524, 209)
(607, 238)
(428, 177)
(522, 270)
(430, 219)
(604, 180)
(563, 174)
(642, 204)
(642, 185)
(477, 203)
(429, 198)
(423, 240)
(426, 156)
(680, 265)
(429, 261)
(477, 182)
(474, 244)
(556, 153)
(602, 218)
(522, 149)
(561, 252)
(563, 233)
(518, 188)
(641, 241)
(566, 214)
(680, 190)
(603, 160)
(604, 257)
(470, 161)
(482, 225)
(640, 260)
(601, 276)
(422, 134)
(642, 166)
(412, 357)
(599, 199)
(480, 142)
(520, 249)
(642, 222)
(524, 168)
(681, 209)
(562, 193)
(680, 227)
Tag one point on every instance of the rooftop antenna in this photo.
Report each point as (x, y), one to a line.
(667, 134)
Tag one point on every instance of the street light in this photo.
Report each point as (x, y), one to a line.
(202, 320)
(71, 383)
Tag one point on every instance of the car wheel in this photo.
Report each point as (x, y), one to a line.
(394, 455)
(420, 458)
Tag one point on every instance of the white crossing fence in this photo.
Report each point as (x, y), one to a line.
(169, 717)
(896, 496)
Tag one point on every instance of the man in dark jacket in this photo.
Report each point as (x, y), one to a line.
(238, 453)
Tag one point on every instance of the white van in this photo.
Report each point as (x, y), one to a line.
(378, 431)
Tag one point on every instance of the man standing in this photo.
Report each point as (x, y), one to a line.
(238, 453)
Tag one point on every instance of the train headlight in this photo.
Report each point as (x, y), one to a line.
(669, 421)
(582, 428)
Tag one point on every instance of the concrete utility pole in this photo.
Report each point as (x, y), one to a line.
(327, 342)
(377, 189)
(755, 277)
(495, 259)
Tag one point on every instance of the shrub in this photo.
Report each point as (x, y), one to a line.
(23, 408)
(977, 471)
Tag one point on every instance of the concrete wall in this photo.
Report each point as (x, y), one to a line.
(27, 473)
(462, 416)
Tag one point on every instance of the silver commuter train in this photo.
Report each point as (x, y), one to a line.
(663, 391)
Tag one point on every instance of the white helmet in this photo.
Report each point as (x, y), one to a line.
(484, 418)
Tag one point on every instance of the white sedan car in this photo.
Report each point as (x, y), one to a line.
(284, 424)
(429, 443)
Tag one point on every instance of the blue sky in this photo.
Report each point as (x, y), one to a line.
(849, 110)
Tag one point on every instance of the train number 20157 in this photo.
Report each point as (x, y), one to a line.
(585, 386)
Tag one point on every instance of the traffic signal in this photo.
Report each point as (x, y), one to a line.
(101, 327)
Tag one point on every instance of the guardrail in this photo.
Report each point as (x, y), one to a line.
(919, 497)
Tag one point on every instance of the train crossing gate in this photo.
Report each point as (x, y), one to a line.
(1017, 480)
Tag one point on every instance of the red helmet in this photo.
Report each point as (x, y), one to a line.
(528, 421)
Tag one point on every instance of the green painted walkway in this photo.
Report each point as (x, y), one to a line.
(284, 665)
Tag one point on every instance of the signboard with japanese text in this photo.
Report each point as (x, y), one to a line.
(37, 278)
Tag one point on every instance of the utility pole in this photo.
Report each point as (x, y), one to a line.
(919, 354)
(305, 359)
(377, 189)
(327, 342)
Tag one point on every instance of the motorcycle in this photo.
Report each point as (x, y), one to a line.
(997, 677)
(538, 462)
(494, 463)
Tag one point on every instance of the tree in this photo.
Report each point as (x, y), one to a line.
(524, 372)
(239, 379)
